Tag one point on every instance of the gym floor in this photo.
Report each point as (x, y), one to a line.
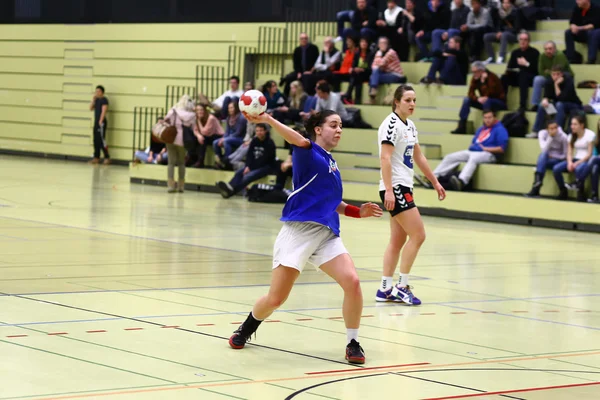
(115, 290)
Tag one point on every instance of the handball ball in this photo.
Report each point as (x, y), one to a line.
(253, 102)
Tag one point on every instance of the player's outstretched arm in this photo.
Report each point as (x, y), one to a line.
(290, 135)
(364, 211)
(423, 165)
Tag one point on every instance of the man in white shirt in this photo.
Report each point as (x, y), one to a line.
(220, 105)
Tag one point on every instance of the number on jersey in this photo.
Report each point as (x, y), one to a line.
(408, 156)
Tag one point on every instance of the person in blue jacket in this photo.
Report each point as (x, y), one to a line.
(490, 141)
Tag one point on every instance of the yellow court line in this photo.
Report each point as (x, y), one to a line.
(331, 374)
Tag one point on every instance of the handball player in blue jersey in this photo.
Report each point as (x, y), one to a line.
(311, 229)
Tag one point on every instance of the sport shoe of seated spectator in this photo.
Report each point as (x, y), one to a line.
(225, 189)
(422, 181)
(594, 198)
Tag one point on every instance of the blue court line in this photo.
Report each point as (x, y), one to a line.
(521, 317)
(245, 312)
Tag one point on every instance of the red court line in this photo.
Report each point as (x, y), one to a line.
(57, 333)
(551, 311)
(335, 318)
(364, 369)
(98, 331)
(134, 329)
(464, 396)
(393, 315)
(368, 316)
(304, 319)
(170, 326)
(205, 324)
(273, 320)
(13, 336)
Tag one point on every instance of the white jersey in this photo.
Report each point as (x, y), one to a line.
(403, 136)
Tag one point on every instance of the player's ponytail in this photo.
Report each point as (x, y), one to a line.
(315, 120)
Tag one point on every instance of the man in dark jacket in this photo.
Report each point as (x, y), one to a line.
(437, 17)
(452, 64)
(522, 68)
(559, 90)
(458, 19)
(260, 161)
(305, 57)
(485, 93)
(584, 28)
(364, 22)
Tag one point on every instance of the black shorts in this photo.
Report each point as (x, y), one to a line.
(404, 199)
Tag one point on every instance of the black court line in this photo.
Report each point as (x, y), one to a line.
(185, 330)
(452, 385)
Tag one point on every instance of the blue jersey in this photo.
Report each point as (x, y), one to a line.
(317, 188)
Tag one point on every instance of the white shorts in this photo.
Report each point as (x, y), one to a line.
(301, 242)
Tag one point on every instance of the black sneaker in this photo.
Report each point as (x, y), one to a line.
(239, 339)
(456, 183)
(354, 353)
(421, 180)
(225, 189)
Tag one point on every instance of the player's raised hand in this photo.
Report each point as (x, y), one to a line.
(370, 210)
(257, 119)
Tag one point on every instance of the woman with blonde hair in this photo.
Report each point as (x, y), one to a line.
(293, 106)
(183, 117)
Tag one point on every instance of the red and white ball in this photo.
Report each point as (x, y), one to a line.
(253, 102)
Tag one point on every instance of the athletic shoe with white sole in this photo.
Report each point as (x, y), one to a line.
(405, 295)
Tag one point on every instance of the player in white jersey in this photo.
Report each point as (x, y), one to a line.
(398, 150)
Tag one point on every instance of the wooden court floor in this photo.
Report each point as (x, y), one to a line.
(118, 291)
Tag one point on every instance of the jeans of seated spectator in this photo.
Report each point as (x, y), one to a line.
(592, 38)
(240, 181)
(562, 110)
(143, 157)
(506, 38)
(422, 44)
(523, 80)
(229, 145)
(342, 17)
(593, 169)
(437, 44)
(356, 83)
(538, 87)
(224, 110)
(490, 104)
(449, 71)
(476, 41)
(472, 160)
(380, 78)
(544, 163)
(561, 168)
(237, 157)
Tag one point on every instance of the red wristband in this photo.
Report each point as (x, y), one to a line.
(352, 211)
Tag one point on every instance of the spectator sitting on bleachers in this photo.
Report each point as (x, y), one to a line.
(437, 17)
(553, 143)
(548, 59)
(248, 86)
(506, 32)
(593, 171)
(412, 22)
(360, 72)
(560, 92)
(284, 171)
(580, 150)
(232, 95)
(452, 64)
(489, 141)
(274, 97)
(235, 129)
(363, 22)
(328, 61)
(347, 16)
(584, 28)
(594, 103)
(207, 130)
(454, 5)
(458, 23)
(389, 24)
(260, 161)
(327, 100)
(343, 74)
(479, 22)
(304, 58)
(156, 153)
(485, 92)
(237, 159)
(527, 13)
(521, 69)
(290, 111)
(386, 68)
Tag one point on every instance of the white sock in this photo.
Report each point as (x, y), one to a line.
(352, 334)
(386, 283)
(403, 282)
